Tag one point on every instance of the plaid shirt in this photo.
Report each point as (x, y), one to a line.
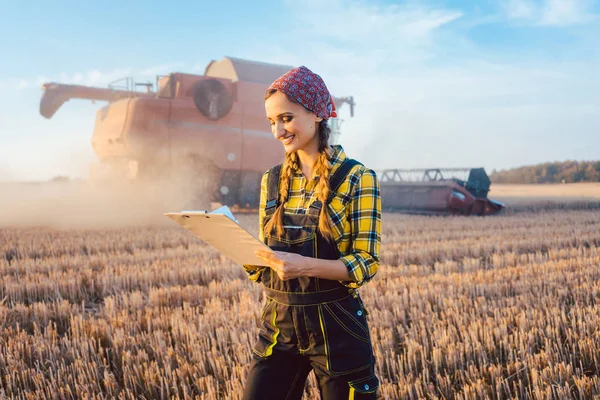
(355, 213)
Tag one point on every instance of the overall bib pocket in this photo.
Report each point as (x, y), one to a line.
(298, 239)
(294, 235)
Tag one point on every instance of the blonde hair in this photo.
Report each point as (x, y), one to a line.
(322, 170)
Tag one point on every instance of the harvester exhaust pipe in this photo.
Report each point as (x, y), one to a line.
(348, 100)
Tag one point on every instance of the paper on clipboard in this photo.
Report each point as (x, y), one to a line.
(220, 229)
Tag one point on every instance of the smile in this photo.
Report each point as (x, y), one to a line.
(288, 139)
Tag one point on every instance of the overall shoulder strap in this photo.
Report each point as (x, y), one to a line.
(340, 175)
(273, 187)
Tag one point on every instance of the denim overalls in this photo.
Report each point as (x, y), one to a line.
(310, 323)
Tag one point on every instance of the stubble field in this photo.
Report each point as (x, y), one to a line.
(462, 308)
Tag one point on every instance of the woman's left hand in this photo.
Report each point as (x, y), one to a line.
(287, 265)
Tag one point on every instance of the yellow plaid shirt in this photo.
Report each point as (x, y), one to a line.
(355, 213)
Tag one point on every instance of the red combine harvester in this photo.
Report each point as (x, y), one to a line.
(211, 129)
(437, 191)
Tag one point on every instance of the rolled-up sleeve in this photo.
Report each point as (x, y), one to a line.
(364, 215)
(254, 271)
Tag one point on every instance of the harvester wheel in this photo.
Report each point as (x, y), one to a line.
(212, 99)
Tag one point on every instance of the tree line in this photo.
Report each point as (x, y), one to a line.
(555, 172)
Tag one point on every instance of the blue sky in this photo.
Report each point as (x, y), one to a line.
(493, 83)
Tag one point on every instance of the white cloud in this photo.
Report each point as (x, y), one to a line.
(352, 22)
(566, 12)
(521, 9)
(424, 23)
(161, 69)
(551, 12)
(23, 84)
(93, 77)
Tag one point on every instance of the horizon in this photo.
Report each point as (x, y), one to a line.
(438, 84)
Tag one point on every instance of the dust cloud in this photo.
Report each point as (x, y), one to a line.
(64, 203)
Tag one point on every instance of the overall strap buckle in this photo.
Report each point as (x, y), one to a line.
(315, 208)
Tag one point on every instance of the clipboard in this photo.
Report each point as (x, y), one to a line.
(221, 230)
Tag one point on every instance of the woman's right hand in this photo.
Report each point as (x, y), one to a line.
(287, 265)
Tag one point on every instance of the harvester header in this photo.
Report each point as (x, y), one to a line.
(438, 191)
(56, 94)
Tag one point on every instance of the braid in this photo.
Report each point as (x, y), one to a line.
(323, 170)
(289, 166)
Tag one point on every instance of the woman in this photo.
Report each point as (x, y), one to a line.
(321, 214)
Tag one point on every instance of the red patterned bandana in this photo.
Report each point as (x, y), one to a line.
(308, 89)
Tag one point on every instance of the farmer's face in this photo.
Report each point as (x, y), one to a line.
(292, 124)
